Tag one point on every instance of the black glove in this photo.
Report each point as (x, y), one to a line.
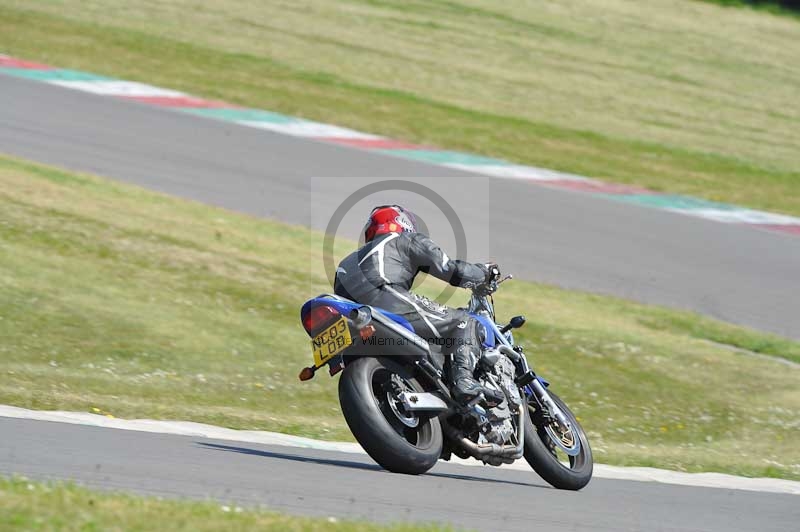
(489, 285)
(492, 271)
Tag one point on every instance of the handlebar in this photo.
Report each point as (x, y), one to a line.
(492, 284)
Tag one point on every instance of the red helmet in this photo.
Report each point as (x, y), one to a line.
(389, 219)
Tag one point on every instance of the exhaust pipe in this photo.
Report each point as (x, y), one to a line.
(487, 451)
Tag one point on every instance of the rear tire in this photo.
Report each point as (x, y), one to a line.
(385, 432)
(540, 453)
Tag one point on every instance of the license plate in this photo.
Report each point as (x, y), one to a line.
(331, 342)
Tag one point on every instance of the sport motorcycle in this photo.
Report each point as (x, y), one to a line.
(396, 402)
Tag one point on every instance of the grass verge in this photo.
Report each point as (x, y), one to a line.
(124, 302)
(648, 94)
(776, 7)
(63, 506)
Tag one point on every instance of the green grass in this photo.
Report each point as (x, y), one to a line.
(775, 7)
(32, 506)
(128, 303)
(678, 96)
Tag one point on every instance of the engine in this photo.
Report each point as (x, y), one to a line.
(497, 426)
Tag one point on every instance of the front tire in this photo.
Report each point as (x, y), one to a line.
(399, 441)
(570, 473)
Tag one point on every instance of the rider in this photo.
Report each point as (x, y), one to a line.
(382, 272)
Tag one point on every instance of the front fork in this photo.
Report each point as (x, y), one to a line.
(532, 384)
(544, 399)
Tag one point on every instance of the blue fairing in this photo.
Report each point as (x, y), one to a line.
(490, 340)
(344, 307)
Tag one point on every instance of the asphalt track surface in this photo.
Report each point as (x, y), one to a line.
(321, 483)
(735, 273)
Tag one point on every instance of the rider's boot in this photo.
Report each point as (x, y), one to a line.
(464, 386)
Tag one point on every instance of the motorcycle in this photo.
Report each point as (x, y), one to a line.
(398, 406)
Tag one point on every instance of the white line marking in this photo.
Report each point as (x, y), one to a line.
(118, 88)
(745, 216)
(305, 128)
(514, 171)
(200, 430)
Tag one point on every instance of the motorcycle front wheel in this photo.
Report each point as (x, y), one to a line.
(400, 441)
(562, 458)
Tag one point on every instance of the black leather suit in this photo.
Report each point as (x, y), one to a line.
(381, 274)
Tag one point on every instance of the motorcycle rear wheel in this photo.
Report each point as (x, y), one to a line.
(559, 470)
(400, 441)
